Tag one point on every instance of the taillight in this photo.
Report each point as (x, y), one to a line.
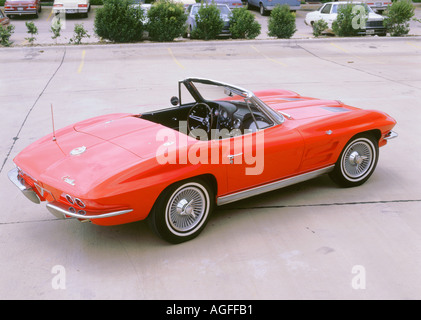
(69, 199)
(82, 5)
(75, 201)
(80, 203)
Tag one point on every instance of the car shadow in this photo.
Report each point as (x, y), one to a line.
(23, 18)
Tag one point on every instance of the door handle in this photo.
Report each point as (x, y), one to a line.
(231, 157)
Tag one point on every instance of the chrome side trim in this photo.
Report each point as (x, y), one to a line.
(61, 213)
(272, 186)
(391, 135)
(25, 188)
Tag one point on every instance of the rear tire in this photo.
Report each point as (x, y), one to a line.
(182, 211)
(356, 162)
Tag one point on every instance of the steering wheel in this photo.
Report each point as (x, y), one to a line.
(200, 119)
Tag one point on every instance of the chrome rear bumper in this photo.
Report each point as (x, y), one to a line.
(58, 209)
(25, 188)
(62, 211)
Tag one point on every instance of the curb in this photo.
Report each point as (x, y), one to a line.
(281, 42)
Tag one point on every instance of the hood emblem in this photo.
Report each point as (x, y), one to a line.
(77, 151)
(68, 180)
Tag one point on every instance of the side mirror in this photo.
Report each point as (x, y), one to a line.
(175, 101)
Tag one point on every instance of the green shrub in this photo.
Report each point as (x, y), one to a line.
(5, 34)
(166, 21)
(398, 16)
(350, 20)
(32, 31)
(119, 21)
(79, 33)
(243, 24)
(281, 22)
(319, 27)
(209, 23)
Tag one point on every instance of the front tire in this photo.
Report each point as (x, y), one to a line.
(262, 10)
(182, 211)
(357, 161)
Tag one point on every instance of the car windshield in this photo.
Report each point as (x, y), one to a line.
(337, 7)
(208, 90)
(219, 92)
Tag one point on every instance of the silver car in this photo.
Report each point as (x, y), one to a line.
(232, 4)
(225, 14)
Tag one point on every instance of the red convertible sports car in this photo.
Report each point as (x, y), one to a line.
(218, 144)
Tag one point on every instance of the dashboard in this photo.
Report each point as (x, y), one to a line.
(235, 116)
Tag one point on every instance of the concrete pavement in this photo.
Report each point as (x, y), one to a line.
(308, 241)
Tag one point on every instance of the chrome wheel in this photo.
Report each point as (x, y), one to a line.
(186, 208)
(182, 210)
(357, 159)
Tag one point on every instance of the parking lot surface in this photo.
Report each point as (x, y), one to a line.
(308, 241)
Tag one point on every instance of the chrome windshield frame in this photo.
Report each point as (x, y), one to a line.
(274, 116)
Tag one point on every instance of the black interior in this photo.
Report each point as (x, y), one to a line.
(230, 115)
(169, 117)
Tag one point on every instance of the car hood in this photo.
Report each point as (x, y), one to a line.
(302, 108)
(90, 152)
(372, 16)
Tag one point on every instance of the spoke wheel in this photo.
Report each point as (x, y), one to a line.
(357, 159)
(356, 162)
(182, 211)
(186, 209)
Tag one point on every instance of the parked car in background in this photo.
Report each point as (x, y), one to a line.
(265, 6)
(225, 14)
(329, 13)
(72, 7)
(232, 4)
(4, 20)
(186, 3)
(145, 7)
(378, 6)
(22, 7)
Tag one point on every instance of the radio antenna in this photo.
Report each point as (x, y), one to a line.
(52, 119)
